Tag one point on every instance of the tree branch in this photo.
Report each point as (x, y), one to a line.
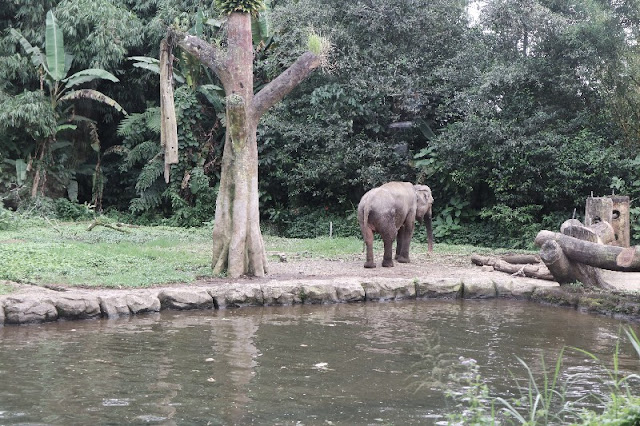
(207, 53)
(284, 83)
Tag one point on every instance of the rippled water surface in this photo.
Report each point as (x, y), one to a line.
(373, 363)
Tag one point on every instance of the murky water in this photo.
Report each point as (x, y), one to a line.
(373, 363)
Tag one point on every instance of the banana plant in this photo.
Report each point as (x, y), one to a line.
(55, 63)
(53, 66)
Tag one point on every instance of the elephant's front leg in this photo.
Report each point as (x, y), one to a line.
(404, 239)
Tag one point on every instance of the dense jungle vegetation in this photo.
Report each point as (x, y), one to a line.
(513, 115)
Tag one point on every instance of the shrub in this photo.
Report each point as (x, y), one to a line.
(311, 223)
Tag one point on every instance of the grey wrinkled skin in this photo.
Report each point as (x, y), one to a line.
(391, 210)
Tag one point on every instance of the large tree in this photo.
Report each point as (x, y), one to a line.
(238, 247)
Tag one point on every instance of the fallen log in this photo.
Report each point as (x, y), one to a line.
(521, 259)
(566, 271)
(536, 270)
(597, 255)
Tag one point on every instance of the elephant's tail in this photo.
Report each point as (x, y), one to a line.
(365, 219)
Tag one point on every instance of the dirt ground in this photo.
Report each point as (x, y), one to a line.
(283, 268)
(422, 265)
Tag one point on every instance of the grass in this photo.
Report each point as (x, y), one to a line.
(68, 254)
(6, 288)
(46, 252)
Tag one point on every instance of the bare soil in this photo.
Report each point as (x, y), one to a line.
(283, 268)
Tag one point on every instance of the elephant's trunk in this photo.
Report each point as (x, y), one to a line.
(427, 222)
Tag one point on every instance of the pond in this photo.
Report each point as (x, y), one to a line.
(367, 363)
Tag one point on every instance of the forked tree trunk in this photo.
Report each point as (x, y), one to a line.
(238, 247)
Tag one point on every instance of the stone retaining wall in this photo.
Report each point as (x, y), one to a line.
(41, 305)
(44, 305)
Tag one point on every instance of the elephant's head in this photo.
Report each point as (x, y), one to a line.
(423, 209)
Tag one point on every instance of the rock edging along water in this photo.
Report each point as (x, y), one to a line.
(47, 305)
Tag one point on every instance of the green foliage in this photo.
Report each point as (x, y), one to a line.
(330, 141)
(519, 224)
(8, 219)
(474, 405)
(30, 115)
(46, 120)
(99, 33)
(68, 210)
(450, 217)
(244, 6)
(311, 223)
(189, 200)
(535, 104)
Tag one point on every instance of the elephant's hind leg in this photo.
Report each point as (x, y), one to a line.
(367, 236)
(388, 238)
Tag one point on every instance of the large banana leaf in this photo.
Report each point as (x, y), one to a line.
(54, 47)
(260, 28)
(96, 96)
(36, 55)
(152, 64)
(21, 171)
(198, 28)
(89, 75)
(215, 96)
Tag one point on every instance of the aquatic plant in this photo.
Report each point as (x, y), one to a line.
(544, 401)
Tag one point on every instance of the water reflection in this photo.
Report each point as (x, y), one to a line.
(350, 364)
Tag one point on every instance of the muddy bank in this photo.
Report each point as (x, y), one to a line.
(40, 305)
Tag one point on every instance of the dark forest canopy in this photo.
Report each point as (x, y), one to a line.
(512, 116)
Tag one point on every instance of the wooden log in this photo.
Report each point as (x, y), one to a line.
(537, 270)
(568, 223)
(521, 259)
(604, 231)
(600, 256)
(581, 232)
(558, 264)
(566, 271)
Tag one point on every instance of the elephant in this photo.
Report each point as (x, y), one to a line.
(391, 210)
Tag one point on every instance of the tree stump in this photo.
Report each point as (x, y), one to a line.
(615, 211)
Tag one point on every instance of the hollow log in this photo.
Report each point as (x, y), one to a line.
(598, 255)
(598, 209)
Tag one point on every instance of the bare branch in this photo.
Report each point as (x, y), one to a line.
(208, 54)
(284, 83)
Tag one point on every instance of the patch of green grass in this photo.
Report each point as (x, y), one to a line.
(321, 247)
(68, 254)
(6, 288)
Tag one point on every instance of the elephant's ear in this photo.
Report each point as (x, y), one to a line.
(424, 192)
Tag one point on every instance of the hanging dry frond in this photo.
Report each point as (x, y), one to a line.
(169, 127)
